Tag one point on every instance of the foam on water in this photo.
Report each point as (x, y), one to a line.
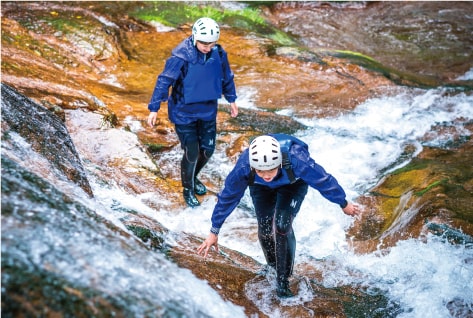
(357, 148)
(153, 276)
(245, 98)
(468, 76)
(422, 276)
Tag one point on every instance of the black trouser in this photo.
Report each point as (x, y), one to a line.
(275, 210)
(198, 142)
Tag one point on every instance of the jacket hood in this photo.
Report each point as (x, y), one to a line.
(186, 51)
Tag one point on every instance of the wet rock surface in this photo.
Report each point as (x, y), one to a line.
(46, 134)
(91, 56)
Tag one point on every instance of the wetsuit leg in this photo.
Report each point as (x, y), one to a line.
(289, 200)
(189, 143)
(266, 239)
(207, 135)
(264, 201)
(285, 243)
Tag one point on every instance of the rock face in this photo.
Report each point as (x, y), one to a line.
(105, 62)
(50, 234)
(45, 132)
(57, 210)
(433, 193)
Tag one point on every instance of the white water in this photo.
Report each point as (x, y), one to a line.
(77, 246)
(422, 276)
(468, 76)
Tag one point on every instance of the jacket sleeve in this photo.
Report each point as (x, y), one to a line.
(315, 176)
(228, 87)
(234, 189)
(170, 74)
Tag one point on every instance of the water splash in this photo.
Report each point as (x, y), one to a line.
(468, 76)
(356, 148)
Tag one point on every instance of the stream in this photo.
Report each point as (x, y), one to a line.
(79, 245)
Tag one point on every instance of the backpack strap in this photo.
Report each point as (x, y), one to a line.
(251, 179)
(220, 50)
(287, 165)
(220, 53)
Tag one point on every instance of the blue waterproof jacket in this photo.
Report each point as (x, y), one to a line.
(304, 167)
(198, 80)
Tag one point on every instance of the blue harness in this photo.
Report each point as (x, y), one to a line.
(203, 82)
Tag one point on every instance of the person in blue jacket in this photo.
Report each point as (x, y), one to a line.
(199, 73)
(278, 180)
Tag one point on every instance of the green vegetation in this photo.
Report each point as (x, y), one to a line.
(58, 21)
(415, 164)
(398, 77)
(174, 14)
(109, 119)
(155, 147)
(356, 55)
(430, 186)
(155, 241)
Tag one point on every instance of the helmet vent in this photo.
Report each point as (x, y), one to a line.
(205, 30)
(265, 153)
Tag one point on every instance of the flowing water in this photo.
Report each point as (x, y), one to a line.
(422, 275)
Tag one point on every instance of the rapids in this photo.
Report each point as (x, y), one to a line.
(422, 275)
(65, 250)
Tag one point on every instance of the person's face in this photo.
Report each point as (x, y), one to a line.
(204, 47)
(267, 175)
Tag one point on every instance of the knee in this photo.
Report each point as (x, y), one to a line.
(191, 152)
(283, 222)
(207, 153)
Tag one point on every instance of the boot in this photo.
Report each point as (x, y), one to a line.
(199, 187)
(187, 179)
(285, 252)
(283, 290)
(190, 198)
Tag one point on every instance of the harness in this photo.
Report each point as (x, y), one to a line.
(286, 142)
(196, 89)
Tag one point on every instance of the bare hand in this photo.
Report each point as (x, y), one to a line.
(233, 109)
(152, 118)
(351, 209)
(210, 241)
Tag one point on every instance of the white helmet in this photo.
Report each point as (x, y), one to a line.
(265, 153)
(205, 30)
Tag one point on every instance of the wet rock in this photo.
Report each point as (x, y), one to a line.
(430, 42)
(107, 61)
(45, 132)
(239, 279)
(430, 194)
(54, 258)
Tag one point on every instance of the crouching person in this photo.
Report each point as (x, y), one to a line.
(278, 170)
